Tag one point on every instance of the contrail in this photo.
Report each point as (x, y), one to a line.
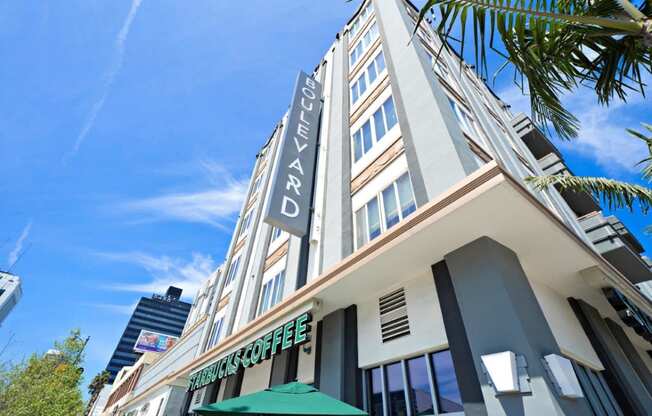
(13, 256)
(109, 78)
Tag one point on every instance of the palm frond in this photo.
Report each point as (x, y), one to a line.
(556, 46)
(646, 171)
(613, 193)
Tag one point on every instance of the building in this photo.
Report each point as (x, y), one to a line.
(164, 314)
(100, 402)
(410, 269)
(10, 294)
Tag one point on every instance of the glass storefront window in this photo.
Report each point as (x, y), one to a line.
(396, 390)
(418, 377)
(419, 387)
(376, 390)
(448, 392)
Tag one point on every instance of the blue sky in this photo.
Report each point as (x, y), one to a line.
(128, 129)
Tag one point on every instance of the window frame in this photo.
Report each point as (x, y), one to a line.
(364, 43)
(273, 283)
(381, 209)
(230, 277)
(361, 19)
(367, 79)
(373, 130)
(407, 385)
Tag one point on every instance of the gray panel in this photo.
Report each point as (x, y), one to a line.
(339, 375)
(284, 367)
(501, 313)
(291, 192)
(436, 150)
(623, 380)
(631, 353)
(233, 385)
(458, 343)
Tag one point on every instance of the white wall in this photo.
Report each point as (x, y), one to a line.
(567, 330)
(427, 331)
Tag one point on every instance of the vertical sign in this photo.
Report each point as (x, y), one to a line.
(291, 191)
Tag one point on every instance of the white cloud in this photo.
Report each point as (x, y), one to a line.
(602, 136)
(109, 78)
(164, 271)
(18, 247)
(114, 308)
(214, 205)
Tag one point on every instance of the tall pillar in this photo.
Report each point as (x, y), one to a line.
(339, 375)
(499, 312)
(337, 220)
(631, 353)
(621, 376)
(435, 148)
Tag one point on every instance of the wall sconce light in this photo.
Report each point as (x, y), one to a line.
(561, 371)
(502, 370)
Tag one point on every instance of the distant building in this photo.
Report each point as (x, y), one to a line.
(163, 314)
(10, 293)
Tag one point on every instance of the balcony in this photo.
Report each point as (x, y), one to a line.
(616, 244)
(533, 138)
(582, 203)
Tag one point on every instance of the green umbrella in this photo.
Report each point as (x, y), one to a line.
(287, 399)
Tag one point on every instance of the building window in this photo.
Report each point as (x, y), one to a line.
(361, 47)
(429, 381)
(216, 332)
(376, 392)
(385, 210)
(448, 392)
(271, 293)
(276, 233)
(464, 119)
(367, 77)
(246, 223)
(256, 185)
(374, 129)
(361, 19)
(396, 389)
(419, 387)
(233, 271)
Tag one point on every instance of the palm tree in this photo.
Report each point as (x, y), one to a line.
(556, 46)
(614, 194)
(95, 387)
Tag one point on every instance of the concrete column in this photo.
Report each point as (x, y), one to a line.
(500, 312)
(631, 353)
(339, 375)
(626, 385)
(337, 220)
(436, 150)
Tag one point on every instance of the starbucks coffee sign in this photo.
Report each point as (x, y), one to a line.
(292, 333)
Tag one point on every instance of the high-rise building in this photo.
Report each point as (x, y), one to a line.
(390, 252)
(162, 314)
(10, 293)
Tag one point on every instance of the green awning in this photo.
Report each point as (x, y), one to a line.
(287, 399)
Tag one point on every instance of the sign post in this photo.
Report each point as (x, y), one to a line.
(291, 191)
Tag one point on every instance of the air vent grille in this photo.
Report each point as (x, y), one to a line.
(394, 322)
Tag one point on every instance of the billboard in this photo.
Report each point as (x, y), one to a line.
(149, 341)
(291, 192)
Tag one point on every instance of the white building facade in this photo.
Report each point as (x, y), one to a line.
(431, 279)
(10, 293)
